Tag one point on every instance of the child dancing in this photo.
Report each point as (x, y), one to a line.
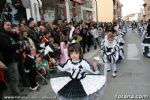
(78, 85)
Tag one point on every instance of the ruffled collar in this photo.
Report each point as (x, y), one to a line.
(75, 62)
(110, 44)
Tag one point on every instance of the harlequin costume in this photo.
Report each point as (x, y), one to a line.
(78, 84)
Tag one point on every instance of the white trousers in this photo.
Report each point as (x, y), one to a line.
(109, 66)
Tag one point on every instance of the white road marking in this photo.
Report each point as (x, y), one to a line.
(132, 52)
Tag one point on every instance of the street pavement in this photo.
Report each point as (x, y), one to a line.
(132, 81)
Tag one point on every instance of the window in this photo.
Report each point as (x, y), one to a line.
(114, 11)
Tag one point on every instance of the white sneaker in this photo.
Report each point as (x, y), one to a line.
(35, 88)
(114, 75)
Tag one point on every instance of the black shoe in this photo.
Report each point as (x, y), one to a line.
(88, 49)
(116, 71)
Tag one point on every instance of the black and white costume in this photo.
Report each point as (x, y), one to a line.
(141, 30)
(120, 39)
(124, 30)
(146, 42)
(78, 84)
(110, 54)
(110, 51)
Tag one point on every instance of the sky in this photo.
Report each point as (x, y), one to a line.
(131, 6)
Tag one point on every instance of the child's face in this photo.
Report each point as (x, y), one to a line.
(25, 34)
(110, 40)
(74, 56)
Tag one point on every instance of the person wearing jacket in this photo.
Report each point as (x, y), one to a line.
(9, 48)
(33, 32)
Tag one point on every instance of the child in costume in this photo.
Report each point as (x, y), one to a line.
(110, 53)
(30, 69)
(78, 85)
(146, 42)
(119, 36)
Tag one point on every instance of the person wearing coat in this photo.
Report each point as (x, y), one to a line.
(9, 49)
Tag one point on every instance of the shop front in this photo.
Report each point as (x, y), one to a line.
(75, 9)
(54, 10)
(87, 11)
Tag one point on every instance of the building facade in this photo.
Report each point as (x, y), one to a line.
(72, 10)
(75, 10)
(117, 10)
(33, 8)
(87, 10)
(146, 10)
(108, 10)
(105, 10)
(62, 9)
(53, 9)
(138, 17)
